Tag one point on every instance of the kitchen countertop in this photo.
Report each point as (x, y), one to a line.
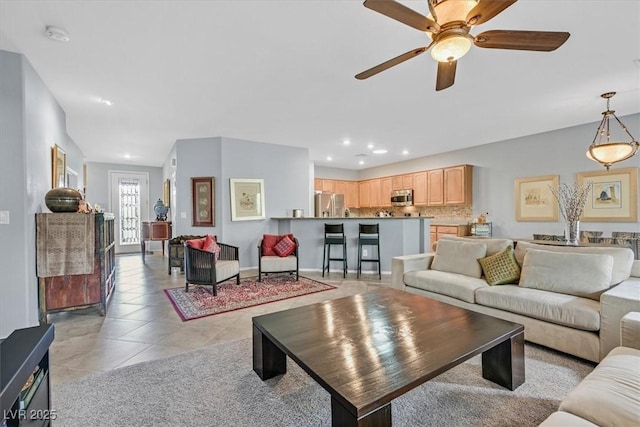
(352, 217)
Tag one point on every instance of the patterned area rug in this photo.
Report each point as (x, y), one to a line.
(200, 302)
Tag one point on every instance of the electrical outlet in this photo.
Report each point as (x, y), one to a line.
(365, 252)
(4, 217)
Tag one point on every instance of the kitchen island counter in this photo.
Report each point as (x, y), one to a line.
(399, 235)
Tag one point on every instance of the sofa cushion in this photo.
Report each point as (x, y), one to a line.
(493, 245)
(501, 268)
(451, 284)
(622, 257)
(610, 394)
(269, 264)
(226, 269)
(565, 419)
(584, 275)
(455, 256)
(285, 247)
(567, 310)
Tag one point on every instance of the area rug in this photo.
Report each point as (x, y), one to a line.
(200, 302)
(216, 386)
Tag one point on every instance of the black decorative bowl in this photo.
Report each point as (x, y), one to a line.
(62, 200)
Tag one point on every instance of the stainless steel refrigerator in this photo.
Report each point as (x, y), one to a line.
(329, 205)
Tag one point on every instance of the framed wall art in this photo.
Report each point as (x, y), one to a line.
(247, 199)
(58, 167)
(202, 196)
(534, 200)
(166, 190)
(613, 197)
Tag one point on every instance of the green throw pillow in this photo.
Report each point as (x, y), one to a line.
(501, 268)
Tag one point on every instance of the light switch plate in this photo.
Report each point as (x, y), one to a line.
(183, 215)
(4, 217)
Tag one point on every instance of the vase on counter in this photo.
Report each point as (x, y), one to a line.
(62, 199)
(572, 232)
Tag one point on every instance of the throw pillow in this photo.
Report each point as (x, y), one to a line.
(457, 256)
(493, 245)
(210, 245)
(579, 274)
(501, 268)
(269, 241)
(196, 243)
(285, 247)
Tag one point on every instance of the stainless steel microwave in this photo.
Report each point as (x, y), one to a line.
(402, 198)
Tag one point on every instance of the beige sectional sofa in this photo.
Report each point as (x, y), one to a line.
(568, 298)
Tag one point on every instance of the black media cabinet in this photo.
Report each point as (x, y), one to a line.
(22, 353)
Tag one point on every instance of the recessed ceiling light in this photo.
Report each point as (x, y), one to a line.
(57, 34)
(127, 156)
(379, 151)
(346, 142)
(105, 102)
(361, 162)
(329, 158)
(405, 152)
(370, 146)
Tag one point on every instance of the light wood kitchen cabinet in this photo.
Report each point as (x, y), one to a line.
(364, 193)
(351, 198)
(374, 193)
(396, 182)
(420, 188)
(437, 231)
(435, 187)
(317, 184)
(340, 187)
(458, 185)
(327, 186)
(407, 181)
(385, 191)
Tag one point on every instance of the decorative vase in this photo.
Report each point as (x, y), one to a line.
(62, 199)
(572, 232)
(161, 210)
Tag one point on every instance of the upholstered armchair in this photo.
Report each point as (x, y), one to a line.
(202, 268)
(277, 255)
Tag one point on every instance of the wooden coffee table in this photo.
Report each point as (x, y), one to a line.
(370, 348)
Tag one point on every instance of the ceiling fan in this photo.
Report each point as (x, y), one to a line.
(448, 25)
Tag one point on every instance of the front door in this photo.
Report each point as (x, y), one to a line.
(130, 205)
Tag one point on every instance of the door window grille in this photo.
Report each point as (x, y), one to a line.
(129, 190)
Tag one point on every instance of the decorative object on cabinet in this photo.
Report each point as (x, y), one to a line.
(480, 229)
(606, 152)
(202, 198)
(62, 199)
(24, 355)
(176, 251)
(247, 199)
(58, 167)
(534, 199)
(161, 210)
(613, 197)
(154, 231)
(571, 199)
(166, 192)
(83, 274)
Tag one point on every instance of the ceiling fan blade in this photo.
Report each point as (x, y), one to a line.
(446, 74)
(487, 9)
(544, 41)
(432, 9)
(390, 63)
(402, 14)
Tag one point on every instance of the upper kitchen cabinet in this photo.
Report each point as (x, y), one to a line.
(458, 185)
(402, 182)
(419, 188)
(327, 186)
(340, 187)
(364, 193)
(317, 184)
(374, 197)
(396, 182)
(351, 199)
(450, 186)
(385, 191)
(435, 185)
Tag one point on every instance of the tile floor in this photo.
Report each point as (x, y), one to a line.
(141, 323)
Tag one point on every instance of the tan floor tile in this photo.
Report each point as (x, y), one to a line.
(152, 353)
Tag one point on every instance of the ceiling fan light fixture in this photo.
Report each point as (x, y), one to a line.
(451, 48)
(602, 150)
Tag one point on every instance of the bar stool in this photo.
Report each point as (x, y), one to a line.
(334, 235)
(368, 235)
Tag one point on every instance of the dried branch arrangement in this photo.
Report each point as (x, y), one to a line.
(571, 199)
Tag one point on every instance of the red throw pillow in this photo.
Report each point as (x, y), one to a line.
(285, 247)
(210, 245)
(196, 243)
(268, 243)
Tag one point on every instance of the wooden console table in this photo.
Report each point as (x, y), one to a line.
(154, 230)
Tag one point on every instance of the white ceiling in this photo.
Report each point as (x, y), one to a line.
(282, 72)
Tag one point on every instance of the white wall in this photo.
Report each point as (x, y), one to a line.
(31, 122)
(497, 165)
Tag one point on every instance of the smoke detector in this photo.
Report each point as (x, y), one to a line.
(57, 34)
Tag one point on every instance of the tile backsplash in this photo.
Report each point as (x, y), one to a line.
(459, 213)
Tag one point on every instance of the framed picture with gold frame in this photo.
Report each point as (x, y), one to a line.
(58, 167)
(167, 192)
(534, 200)
(202, 193)
(613, 196)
